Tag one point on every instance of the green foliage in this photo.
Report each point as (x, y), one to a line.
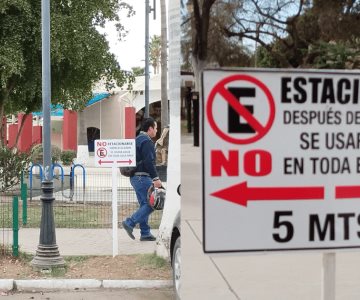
(290, 34)
(67, 157)
(12, 163)
(152, 261)
(36, 155)
(155, 51)
(138, 71)
(331, 55)
(79, 53)
(265, 59)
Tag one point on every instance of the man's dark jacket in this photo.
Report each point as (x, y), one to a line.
(145, 155)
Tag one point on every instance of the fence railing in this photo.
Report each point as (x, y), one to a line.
(9, 225)
(89, 206)
(79, 203)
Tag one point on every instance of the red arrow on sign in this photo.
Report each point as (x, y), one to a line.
(111, 161)
(349, 191)
(124, 161)
(241, 193)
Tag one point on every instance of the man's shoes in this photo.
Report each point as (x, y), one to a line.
(149, 238)
(128, 230)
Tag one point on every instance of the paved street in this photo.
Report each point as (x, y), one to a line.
(261, 276)
(130, 294)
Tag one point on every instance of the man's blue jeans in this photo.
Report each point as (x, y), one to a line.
(141, 185)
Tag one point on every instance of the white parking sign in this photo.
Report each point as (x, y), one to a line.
(119, 152)
(281, 160)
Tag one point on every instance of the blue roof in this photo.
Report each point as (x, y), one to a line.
(58, 111)
(97, 97)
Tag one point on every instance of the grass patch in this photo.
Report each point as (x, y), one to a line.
(26, 257)
(57, 271)
(73, 215)
(151, 260)
(76, 259)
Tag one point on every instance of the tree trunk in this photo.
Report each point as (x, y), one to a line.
(2, 103)
(164, 93)
(20, 130)
(198, 66)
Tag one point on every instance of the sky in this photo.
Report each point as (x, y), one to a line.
(131, 51)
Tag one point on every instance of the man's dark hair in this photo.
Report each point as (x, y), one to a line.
(147, 122)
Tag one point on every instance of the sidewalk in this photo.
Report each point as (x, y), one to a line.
(250, 276)
(74, 242)
(87, 241)
(82, 242)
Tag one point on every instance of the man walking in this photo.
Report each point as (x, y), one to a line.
(144, 177)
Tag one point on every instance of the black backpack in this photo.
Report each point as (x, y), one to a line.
(129, 171)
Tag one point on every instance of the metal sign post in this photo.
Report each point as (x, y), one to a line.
(114, 154)
(328, 279)
(114, 210)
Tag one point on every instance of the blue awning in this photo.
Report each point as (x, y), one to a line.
(58, 110)
(97, 97)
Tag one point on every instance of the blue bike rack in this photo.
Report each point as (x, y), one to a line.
(53, 166)
(31, 174)
(62, 181)
(72, 176)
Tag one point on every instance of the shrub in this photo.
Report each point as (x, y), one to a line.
(12, 163)
(37, 154)
(67, 157)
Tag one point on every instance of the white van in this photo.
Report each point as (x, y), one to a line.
(168, 240)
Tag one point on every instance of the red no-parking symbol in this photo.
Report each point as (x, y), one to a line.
(101, 152)
(259, 128)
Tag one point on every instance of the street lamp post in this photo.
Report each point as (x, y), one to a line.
(148, 10)
(47, 253)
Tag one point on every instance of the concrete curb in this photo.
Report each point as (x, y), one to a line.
(50, 284)
(131, 284)
(6, 284)
(72, 284)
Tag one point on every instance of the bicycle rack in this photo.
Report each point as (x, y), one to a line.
(72, 176)
(53, 166)
(30, 176)
(62, 181)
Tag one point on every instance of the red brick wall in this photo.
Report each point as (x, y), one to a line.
(70, 130)
(130, 122)
(13, 129)
(37, 135)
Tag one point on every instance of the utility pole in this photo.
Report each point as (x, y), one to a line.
(148, 10)
(47, 253)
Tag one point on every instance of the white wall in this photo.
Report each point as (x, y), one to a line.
(108, 116)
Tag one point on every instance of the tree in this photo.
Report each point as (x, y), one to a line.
(289, 33)
(294, 33)
(155, 52)
(79, 53)
(200, 29)
(12, 164)
(204, 42)
(138, 71)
